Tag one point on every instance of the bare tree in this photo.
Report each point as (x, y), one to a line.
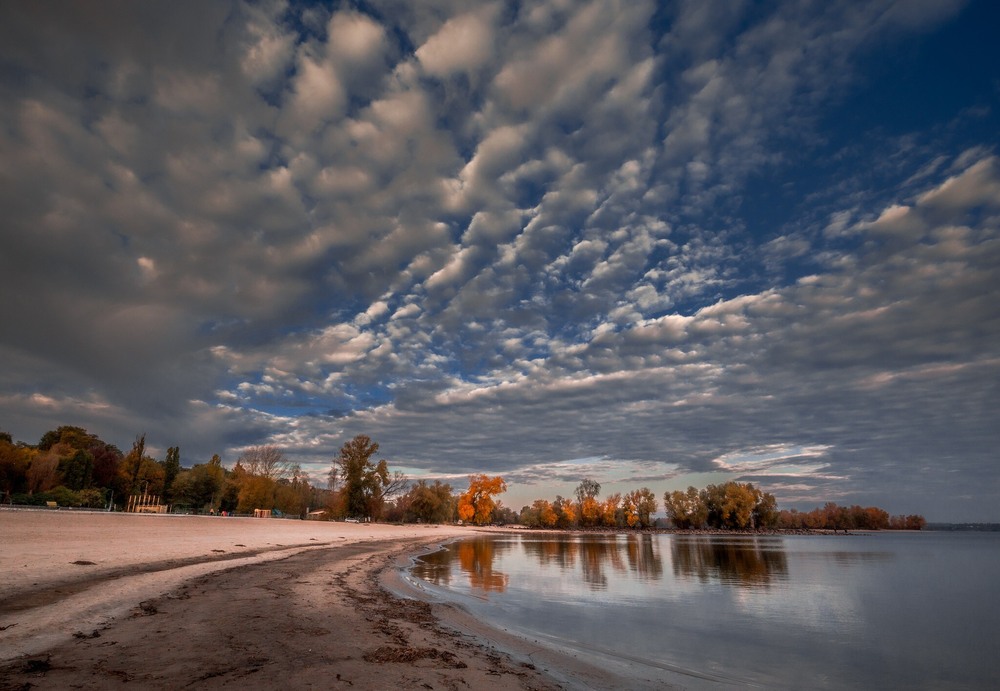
(265, 461)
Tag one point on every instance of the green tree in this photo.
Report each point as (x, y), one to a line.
(77, 470)
(429, 503)
(171, 467)
(366, 485)
(200, 488)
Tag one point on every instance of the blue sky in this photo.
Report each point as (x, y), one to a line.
(650, 244)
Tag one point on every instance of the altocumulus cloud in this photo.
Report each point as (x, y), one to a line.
(648, 245)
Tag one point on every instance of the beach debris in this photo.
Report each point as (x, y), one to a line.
(388, 653)
(146, 608)
(39, 665)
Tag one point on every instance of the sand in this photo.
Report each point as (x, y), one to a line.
(97, 600)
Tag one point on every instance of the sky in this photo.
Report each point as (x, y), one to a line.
(650, 244)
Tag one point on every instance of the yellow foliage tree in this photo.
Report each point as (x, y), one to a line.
(477, 504)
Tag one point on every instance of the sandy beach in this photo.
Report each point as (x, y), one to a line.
(96, 600)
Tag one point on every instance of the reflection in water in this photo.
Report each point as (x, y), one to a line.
(596, 555)
(745, 562)
(475, 558)
(751, 611)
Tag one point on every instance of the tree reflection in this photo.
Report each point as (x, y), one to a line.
(475, 559)
(597, 555)
(749, 562)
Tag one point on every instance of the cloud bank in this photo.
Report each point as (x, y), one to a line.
(552, 240)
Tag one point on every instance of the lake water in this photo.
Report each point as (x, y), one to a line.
(874, 610)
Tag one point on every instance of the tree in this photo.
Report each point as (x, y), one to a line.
(76, 470)
(611, 511)
(566, 512)
(685, 509)
(132, 464)
(256, 492)
(765, 514)
(427, 503)
(171, 467)
(14, 463)
(265, 461)
(200, 488)
(587, 489)
(538, 515)
(477, 504)
(738, 506)
(293, 495)
(639, 506)
(43, 472)
(366, 485)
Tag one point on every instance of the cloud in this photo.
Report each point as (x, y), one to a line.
(463, 44)
(501, 239)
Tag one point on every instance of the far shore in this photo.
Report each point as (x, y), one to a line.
(97, 600)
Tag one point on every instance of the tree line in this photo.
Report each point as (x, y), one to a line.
(72, 467)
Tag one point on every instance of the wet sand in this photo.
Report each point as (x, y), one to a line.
(93, 601)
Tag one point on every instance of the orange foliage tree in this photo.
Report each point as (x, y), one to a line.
(477, 504)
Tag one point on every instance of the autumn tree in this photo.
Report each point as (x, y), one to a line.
(738, 506)
(538, 515)
(588, 508)
(611, 513)
(43, 472)
(293, 494)
(639, 506)
(138, 473)
(477, 505)
(685, 509)
(566, 510)
(14, 462)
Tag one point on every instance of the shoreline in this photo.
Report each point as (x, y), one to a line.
(562, 665)
(89, 599)
(288, 616)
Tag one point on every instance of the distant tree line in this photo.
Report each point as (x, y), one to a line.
(739, 506)
(74, 468)
(634, 509)
(834, 517)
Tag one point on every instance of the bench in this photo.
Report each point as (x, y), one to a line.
(52, 505)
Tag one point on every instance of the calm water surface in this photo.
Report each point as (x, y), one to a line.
(882, 610)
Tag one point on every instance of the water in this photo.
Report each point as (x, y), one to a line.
(881, 610)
